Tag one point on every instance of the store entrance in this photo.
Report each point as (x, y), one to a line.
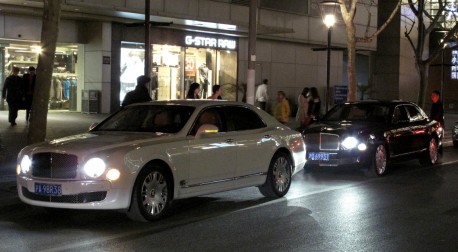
(210, 67)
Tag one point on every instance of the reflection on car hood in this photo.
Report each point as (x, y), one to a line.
(338, 127)
(95, 141)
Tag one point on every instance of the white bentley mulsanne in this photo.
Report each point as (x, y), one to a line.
(146, 155)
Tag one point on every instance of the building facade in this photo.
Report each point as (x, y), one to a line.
(101, 48)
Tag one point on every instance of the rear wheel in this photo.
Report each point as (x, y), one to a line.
(152, 195)
(431, 157)
(455, 144)
(379, 162)
(279, 176)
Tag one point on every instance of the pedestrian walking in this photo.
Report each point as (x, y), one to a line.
(216, 93)
(282, 109)
(28, 85)
(302, 115)
(261, 94)
(193, 92)
(314, 104)
(12, 92)
(437, 108)
(140, 93)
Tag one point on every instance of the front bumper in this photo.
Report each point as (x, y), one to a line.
(75, 194)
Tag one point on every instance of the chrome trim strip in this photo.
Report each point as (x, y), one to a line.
(224, 180)
(409, 153)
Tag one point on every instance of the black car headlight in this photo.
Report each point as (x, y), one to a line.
(352, 142)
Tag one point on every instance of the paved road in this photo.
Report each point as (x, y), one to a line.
(414, 208)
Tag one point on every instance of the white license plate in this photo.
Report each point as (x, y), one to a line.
(318, 156)
(48, 189)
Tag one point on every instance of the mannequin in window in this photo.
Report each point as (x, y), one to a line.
(203, 75)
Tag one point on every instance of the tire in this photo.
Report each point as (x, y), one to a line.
(152, 195)
(378, 165)
(431, 156)
(279, 177)
(455, 144)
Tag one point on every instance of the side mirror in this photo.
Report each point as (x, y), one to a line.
(206, 130)
(93, 125)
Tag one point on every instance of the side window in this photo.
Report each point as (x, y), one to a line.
(415, 114)
(242, 118)
(208, 116)
(400, 115)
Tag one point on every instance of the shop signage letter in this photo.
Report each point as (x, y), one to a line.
(210, 42)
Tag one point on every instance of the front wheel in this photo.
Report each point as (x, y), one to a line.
(279, 177)
(151, 196)
(379, 162)
(431, 157)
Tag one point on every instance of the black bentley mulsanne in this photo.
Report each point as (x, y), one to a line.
(371, 135)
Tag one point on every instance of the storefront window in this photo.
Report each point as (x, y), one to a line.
(210, 67)
(63, 90)
(206, 60)
(167, 72)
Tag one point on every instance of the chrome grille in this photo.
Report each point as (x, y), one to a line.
(322, 141)
(329, 142)
(54, 165)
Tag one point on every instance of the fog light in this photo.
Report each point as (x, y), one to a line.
(113, 174)
(362, 147)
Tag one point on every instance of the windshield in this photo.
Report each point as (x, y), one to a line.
(148, 118)
(358, 112)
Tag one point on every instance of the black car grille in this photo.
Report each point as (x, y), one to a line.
(54, 165)
(322, 141)
(75, 198)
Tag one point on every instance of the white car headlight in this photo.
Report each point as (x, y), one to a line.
(25, 164)
(349, 143)
(94, 167)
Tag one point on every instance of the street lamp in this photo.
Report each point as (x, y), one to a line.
(328, 10)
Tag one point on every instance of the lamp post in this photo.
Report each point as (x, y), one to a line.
(328, 10)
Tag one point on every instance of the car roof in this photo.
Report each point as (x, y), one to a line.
(382, 102)
(192, 102)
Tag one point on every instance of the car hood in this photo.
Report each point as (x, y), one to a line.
(342, 127)
(96, 141)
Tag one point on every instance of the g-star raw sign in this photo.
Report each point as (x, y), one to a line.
(210, 42)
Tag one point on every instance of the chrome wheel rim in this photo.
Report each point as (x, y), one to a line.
(154, 193)
(380, 159)
(282, 174)
(433, 151)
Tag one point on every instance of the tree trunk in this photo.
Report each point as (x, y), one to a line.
(423, 69)
(351, 64)
(49, 32)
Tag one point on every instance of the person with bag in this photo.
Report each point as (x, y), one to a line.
(12, 92)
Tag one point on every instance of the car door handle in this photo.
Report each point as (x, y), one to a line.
(230, 140)
(267, 137)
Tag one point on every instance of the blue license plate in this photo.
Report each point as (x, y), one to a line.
(318, 156)
(48, 189)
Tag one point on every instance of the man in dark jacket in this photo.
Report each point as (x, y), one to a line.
(28, 84)
(437, 109)
(140, 93)
(12, 91)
